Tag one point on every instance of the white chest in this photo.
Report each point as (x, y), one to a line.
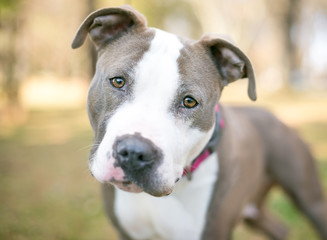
(180, 215)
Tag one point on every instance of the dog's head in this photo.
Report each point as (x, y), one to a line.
(151, 101)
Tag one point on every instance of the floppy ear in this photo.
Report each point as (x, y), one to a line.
(231, 62)
(108, 24)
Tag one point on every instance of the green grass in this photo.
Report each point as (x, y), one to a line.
(46, 191)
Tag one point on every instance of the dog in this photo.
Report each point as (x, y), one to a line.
(173, 162)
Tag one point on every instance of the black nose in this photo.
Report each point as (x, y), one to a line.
(134, 152)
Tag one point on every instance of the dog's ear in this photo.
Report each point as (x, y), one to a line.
(231, 62)
(108, 24)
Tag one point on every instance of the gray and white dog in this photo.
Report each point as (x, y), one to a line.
(153, 107)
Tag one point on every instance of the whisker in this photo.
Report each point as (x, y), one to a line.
(88, 147)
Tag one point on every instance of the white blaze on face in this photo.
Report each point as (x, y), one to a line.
(149, 113)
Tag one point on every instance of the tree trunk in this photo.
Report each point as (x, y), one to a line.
(11, 82)
(91, 50)
(290, 22)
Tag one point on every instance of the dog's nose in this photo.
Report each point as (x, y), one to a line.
(134, 152)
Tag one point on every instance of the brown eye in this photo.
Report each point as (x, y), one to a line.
(189, 102)
(117, 82)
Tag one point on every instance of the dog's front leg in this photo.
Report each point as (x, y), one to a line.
(228, 198)
(222, 213)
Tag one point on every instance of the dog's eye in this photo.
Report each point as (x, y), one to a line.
(117, 82)
(189, 102)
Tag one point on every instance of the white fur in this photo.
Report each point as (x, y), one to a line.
(180, 215)
(148, 113)
(251, 211)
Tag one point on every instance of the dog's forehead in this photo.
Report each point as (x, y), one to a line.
(125, 52)
(158, 71)
(148, 59)
(193, 62)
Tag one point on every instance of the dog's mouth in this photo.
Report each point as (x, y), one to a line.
(129, 186)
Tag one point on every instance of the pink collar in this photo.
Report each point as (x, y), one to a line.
(209, 147)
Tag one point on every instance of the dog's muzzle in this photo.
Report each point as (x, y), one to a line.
(139, 158)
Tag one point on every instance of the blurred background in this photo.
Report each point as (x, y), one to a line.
(46, 191)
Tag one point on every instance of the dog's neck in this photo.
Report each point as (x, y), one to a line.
(209, 148)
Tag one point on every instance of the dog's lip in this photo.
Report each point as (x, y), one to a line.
(127, 186)
(125, 182)
(161, 194)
